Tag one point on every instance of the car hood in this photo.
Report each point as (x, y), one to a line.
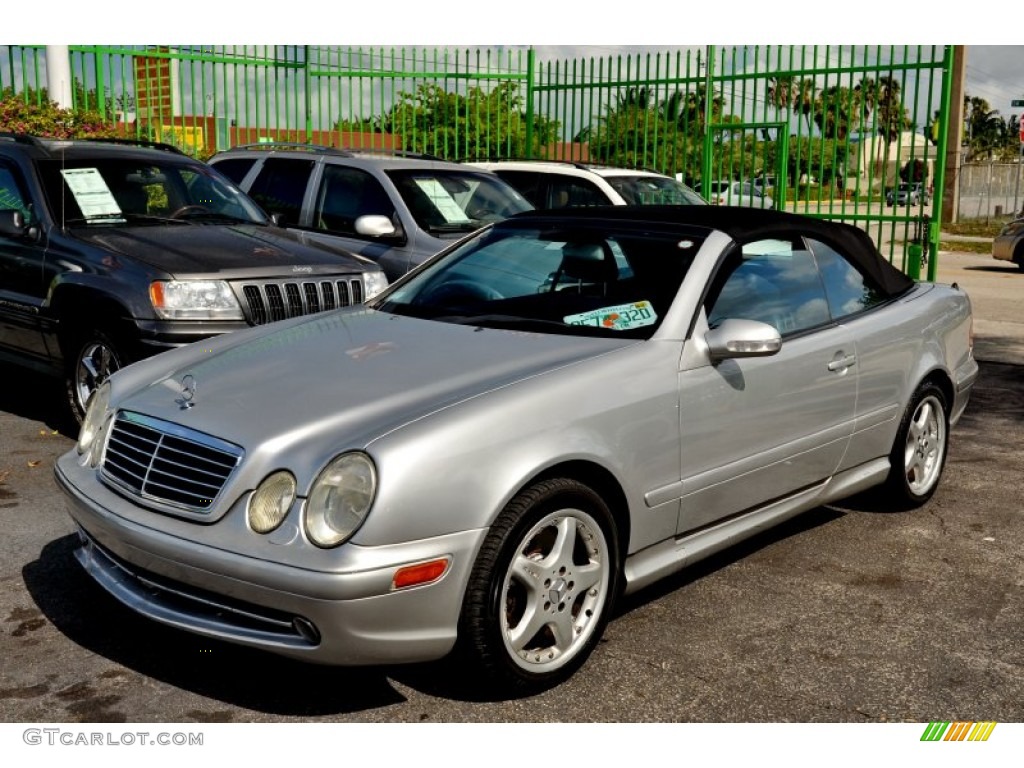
(235, 250)
(340, 379)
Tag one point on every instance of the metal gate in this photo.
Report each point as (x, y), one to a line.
(827, 131)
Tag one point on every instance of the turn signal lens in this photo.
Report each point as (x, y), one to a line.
(421, 573)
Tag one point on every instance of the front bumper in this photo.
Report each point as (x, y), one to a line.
(349, 617)
(156, 336)
(1004, 246)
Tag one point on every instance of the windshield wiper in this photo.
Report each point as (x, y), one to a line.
(502, 321)
(466, 226)
(123, 218)
(215, 216)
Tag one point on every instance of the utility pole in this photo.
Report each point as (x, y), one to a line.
(954, 137)
(58, 75)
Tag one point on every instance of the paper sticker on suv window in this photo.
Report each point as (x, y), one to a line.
(443, 201)
(623, 317)
(91, 193)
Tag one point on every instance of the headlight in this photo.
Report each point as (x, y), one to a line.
(340, 499)
(271, 502)
(194, 300)
(90, 435)
(374, 283)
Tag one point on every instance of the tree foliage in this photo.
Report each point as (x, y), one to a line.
(987, 135)
(478, 124)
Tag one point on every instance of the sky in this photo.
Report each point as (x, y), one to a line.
(563, 30)
(996, 74)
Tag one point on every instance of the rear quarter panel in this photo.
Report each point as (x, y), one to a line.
(923, 334)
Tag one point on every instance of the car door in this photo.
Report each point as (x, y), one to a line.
(22, 288)
(280, 187)
(344, 194)
(758, 429)
(886, 339)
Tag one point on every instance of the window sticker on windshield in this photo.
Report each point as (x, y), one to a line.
(443, 201)
(91, 193)
(623, 317)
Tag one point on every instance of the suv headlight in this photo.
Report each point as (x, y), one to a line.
(373, 283)
(194, 300)
(340, 499)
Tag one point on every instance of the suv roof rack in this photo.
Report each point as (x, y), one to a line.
(21, 138)
(339, 151)
(134, 143)
(395, 153)
(272, 145)
(588, 166)
(40, 141)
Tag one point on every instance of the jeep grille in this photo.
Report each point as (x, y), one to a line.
(268, 302)
(166, 462)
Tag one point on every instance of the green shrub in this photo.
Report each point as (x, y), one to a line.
(47, 119)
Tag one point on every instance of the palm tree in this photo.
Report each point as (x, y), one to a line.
(984, 127)
(805, 95)
(781, 92)
(868, 92)
(891, 115)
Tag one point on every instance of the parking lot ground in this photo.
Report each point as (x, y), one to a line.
(848, 613)
(996, 289)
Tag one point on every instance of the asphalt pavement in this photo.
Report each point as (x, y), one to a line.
(996, 289)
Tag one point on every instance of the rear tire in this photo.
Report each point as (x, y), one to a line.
(542, 588)
(919, 453)
(90, 359)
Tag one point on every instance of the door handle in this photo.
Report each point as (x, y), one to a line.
(842, 363)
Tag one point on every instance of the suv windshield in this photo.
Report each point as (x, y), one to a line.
(120, 191)
(455, 201)
(651, 190)
(567, 277)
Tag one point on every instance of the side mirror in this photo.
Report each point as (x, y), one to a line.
(12, 224)
(742, 338)
(375, 226)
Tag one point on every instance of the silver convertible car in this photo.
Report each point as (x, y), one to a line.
(560, 409)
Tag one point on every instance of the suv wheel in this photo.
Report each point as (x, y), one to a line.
(91, 358)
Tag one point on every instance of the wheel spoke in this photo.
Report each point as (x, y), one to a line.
(531, 622)
(564, 544)
(586, 576)
(91, 373)
(923, 422)
(525, 571)
(563, 630)
(104, 367)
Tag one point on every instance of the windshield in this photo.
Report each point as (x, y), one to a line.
(121, 191)
(567, 277)
(653, 190)
(453, 201)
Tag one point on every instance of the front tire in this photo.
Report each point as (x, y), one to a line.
(542, 588)
(919, 453)
(91, 358)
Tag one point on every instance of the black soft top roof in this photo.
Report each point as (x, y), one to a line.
(746, 225)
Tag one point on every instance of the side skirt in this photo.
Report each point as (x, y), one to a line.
(660, 560)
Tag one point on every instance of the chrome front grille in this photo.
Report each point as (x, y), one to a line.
(266, 302)
(161, 461)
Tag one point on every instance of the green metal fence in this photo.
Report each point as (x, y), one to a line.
(826, 130)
